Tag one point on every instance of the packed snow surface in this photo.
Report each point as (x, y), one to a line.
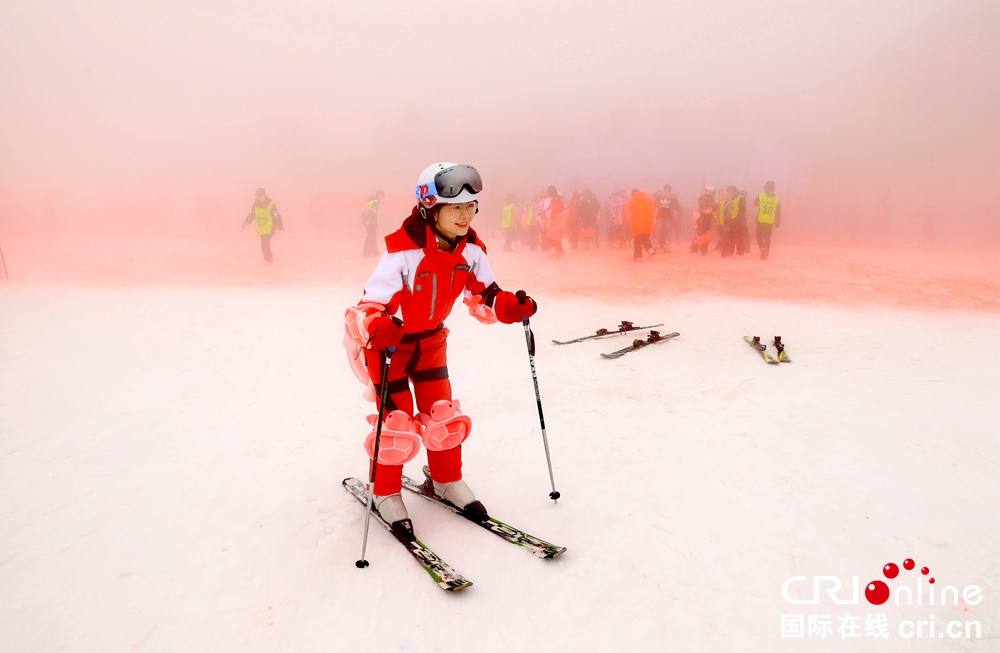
(171, 460)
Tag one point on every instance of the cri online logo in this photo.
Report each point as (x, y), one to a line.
(877, 592)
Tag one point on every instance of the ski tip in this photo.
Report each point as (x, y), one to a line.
(458, 588)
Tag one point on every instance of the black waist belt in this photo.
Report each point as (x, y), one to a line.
(420, 335)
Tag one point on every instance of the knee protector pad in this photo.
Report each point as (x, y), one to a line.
(400, 439)
(446, 427)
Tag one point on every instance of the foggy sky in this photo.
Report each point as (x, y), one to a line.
(162, 111)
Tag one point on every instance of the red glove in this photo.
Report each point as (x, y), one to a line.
(510, 308)
(384, 332)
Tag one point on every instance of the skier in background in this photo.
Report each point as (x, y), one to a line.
(573, 220)
(268, 219)
(734, 213)
(529, 223)
(743, 228)
(704, 219)
(641, 216)
(768, 217)
(666, 209)
(430, 261)
(614, 208)
(372, 219)
(554, 223)
(510, 221)
(588, 211)
(720, 219)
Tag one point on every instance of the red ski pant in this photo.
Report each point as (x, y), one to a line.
(420, 359)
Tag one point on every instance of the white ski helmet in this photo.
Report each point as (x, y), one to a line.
(448, 183)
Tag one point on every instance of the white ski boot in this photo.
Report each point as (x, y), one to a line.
(392, 509)
(459, 494)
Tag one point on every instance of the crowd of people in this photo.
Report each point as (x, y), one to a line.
(647, 224)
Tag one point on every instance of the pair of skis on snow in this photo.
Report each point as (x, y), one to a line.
(652, 338)
(443, 574)
(754, 341)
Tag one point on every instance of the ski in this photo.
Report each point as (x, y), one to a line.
(623, 328)
(761, 347)
(653, 338)
(447, 578)
(780, 348)
(538, 548)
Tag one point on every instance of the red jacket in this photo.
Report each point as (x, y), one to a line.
(419, 283)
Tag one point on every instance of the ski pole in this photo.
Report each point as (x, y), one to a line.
(362, 563)
(529, 338)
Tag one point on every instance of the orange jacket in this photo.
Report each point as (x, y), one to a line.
(643, 213)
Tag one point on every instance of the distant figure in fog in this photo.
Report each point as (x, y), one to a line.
(641, 214)
(573, 220)
(704, 219)
(768, 217)
(372, 219)
(554, 222)
(720, 219)
(743, 229)
(734, 214)
(510, 221)
(529, 223)
(587, 212)
(667, 212)
(614, 208)
(268, 219)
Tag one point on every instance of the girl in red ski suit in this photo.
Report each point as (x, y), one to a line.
(405, 302)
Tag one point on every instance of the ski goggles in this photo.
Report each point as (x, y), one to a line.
(450, 182)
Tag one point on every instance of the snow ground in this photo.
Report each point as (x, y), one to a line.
(171, 458)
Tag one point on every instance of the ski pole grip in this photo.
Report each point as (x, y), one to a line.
(521, 296)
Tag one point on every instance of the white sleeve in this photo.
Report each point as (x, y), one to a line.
(481, 270)
(387, 279)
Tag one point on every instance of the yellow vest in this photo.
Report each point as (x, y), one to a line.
(378, 213)
(720, 209)
(508, 212)
(531, 213)
(768, 205)
(265, 221)
(734, 207)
